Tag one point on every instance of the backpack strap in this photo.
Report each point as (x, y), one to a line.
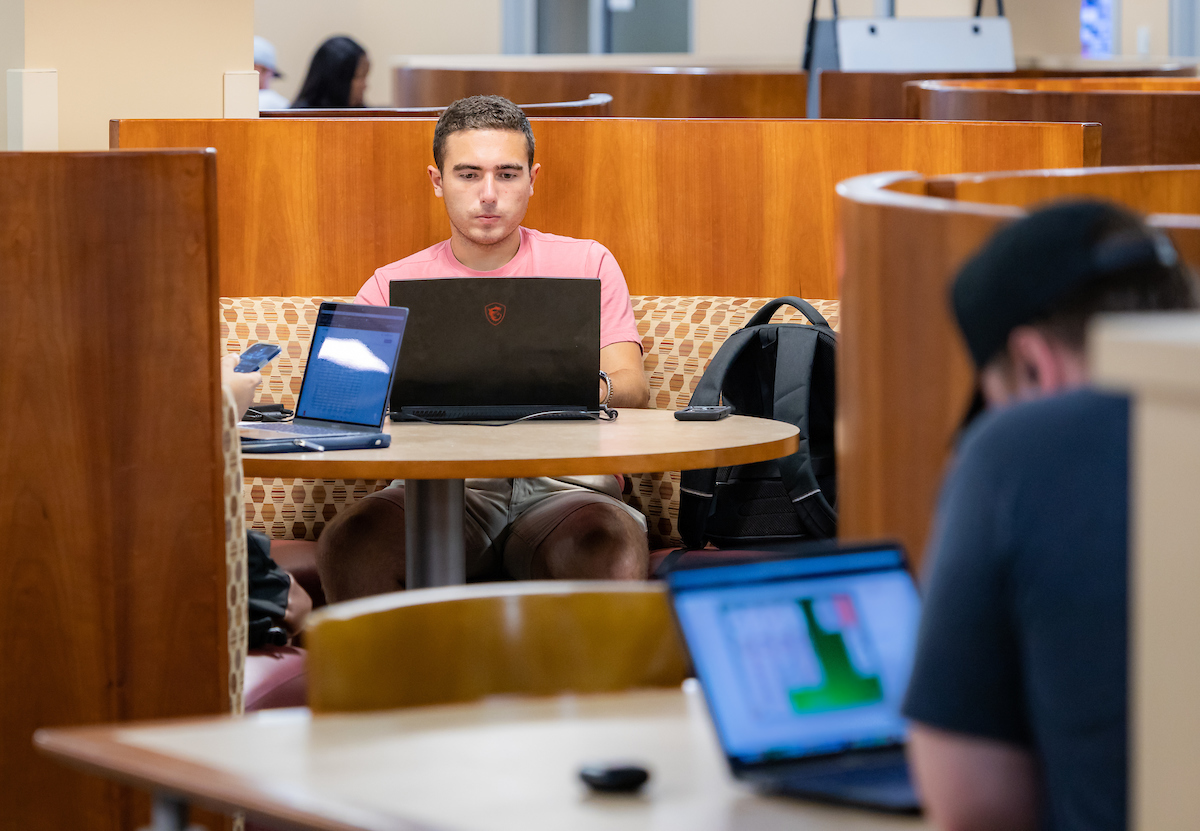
(794, 358)
(668, 562)
(698, 486)
(764, 315)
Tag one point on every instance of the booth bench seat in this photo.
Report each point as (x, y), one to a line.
(679, 337)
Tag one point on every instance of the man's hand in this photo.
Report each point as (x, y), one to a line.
(241, 384)
(299, 604)
(623, 363)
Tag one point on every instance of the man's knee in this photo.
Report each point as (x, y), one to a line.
(602, 541)
(367, 521)
(361, 550)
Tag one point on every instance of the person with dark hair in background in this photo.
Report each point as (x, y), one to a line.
(337, 76)
(1018, 696)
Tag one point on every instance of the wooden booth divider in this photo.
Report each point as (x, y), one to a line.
(638, 92)
(596, 104)
(904, 378)
(688, 207)
(882, 94)
(111, 474)
(1147, 121)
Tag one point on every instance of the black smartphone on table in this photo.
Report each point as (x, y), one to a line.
(703, 412)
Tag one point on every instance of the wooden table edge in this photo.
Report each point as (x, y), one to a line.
(329, 466)
(98, 750)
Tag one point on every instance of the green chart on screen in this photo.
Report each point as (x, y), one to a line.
(842, 685)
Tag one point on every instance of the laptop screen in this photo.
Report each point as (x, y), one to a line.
(802, 657)
(350, 363)
(499, 342)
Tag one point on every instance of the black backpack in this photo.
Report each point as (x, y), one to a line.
(783, 371)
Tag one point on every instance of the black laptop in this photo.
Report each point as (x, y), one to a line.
(804, 663)
(498, 348)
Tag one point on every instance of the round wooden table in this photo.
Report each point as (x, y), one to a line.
(436, 459)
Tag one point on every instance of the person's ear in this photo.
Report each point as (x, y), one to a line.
(533, 172)
(435, 176)
(1035, 363)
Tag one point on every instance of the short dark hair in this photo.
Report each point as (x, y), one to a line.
(1150, 287)
(480, 112)
(1058, 267)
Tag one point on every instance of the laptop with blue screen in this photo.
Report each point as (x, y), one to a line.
(804, 663)
(347, 381)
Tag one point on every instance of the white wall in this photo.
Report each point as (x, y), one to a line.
(384, 28)
(776, 28)
(1154, 14)
(12, 52)
(128, 58)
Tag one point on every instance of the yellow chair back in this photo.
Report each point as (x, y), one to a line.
(462, 643)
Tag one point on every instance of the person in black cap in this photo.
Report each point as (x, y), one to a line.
(1018, 694)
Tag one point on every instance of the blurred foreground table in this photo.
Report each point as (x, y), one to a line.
(436, 459)
(496, 765)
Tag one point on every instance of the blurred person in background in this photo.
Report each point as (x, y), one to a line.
(337, 76)
(268, 71)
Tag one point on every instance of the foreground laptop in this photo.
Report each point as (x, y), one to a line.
(804, 663)
(347, 380)
(498, 348)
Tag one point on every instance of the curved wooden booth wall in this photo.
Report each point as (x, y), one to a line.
(882, 95)
(1146, 120)
(688, 207)
(111, 473)
(596, 104)
(638, 92)
(904, 378)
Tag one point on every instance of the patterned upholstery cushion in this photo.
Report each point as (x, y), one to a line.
(679, 337)
(237, 596)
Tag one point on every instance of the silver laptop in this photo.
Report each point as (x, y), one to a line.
(348, 379)
(804, 663)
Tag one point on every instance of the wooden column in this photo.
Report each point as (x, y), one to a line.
(1157, 359)
(111, 531)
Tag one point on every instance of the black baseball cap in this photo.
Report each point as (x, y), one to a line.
(1027, 268)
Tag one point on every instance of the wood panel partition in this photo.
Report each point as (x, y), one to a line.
(596, 104)
(1146, 120)
(113, 562)
(904, 378)
(646, 92)
(882, 95)
(724, 207)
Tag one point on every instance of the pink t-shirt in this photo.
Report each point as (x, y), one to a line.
(540, 255)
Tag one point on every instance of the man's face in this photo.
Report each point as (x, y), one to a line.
(1032, 366)
(486, 183)
(358, 84)
(265, 76)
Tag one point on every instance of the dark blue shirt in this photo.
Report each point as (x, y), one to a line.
(1023, 633)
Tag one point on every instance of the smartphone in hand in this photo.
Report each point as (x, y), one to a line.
(256, 357)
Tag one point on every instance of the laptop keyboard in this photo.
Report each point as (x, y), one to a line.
(301, 429)
(858, 777)
(887, 787)
(452, 414)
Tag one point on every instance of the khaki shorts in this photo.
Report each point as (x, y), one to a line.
(507, 519)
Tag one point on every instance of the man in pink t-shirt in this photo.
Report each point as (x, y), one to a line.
(570, 527)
